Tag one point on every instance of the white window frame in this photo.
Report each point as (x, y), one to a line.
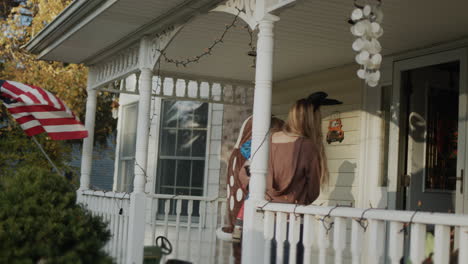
(118, 181)
(157, 157)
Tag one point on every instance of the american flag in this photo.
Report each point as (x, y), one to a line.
(38, 111)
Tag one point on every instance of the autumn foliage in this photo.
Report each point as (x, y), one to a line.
(66, 81)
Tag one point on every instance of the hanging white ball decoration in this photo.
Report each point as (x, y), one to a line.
(363, 57)
(359, 44)
(376, 60)
(367, 29)
(367, 10)
(357, 14)
(361, 73)
(373, 77)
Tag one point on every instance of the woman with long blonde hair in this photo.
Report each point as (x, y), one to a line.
(298, 164)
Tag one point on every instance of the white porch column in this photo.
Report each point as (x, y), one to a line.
(87, 153)
(138, 197)
(252, 245)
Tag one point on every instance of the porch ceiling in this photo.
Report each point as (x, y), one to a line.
(93, 28)
(314, 35)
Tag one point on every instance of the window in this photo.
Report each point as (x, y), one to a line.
(182, 148)
(127, 147)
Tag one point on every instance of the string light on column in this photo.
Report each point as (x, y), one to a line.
(366, 26)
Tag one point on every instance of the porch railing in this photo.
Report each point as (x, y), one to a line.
(190, 224)
(114, 209)
(351, 235)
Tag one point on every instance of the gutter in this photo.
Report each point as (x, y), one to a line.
(65, 21)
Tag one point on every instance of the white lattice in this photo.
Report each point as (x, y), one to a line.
(123, 63)
(246, 6)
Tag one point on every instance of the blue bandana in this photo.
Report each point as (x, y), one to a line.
(245, 149)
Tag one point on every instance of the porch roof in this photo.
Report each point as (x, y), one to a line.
(88, 30)
(311, 36)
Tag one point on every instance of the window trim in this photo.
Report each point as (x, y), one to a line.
(119, 158)
(157, 156)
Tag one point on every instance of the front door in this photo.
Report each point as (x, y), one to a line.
(433, 122)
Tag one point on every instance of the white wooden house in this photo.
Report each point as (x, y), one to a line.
(397, 176)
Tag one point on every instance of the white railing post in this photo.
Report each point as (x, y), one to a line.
(417, 243)
(269, 229)
(294, 236)
(253, 229)
(138, 197)
(339, 239)
(357, 236)
(375, 249)
(442, 244)
(463, 245)
(280, 236)
(87, 154)
(309, 234)
(396, 243)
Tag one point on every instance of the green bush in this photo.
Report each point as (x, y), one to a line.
(40, 222)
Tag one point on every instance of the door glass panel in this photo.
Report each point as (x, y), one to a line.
(442, 135)
(432, 127)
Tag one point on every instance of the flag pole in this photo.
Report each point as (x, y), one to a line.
(47, 156)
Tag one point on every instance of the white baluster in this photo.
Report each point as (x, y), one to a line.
(161, 87)
(323, 240)
(376, 241)
(339, 238)
(122, 63)
(137, 83)
(185, 82)
(357, 235)
(123, 84)
(167, 208)
(463, 244)
(268, 232)
(111, 69)
(119, 247)
(201, 223)
(442, 244)
(396, 234)
(210, 92)
(109, 225)
(221, 96)
(281, 227)
(114, 218)
(198, 83)
(125, 225)
(154, 217)
(189, 228)
(418, 242)
(99, 203)
(221, 242)
(212, 230)
(178, 211)
(308, 238)
(115, 228)
(294, 236)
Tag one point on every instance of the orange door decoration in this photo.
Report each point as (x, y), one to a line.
(335, 132)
